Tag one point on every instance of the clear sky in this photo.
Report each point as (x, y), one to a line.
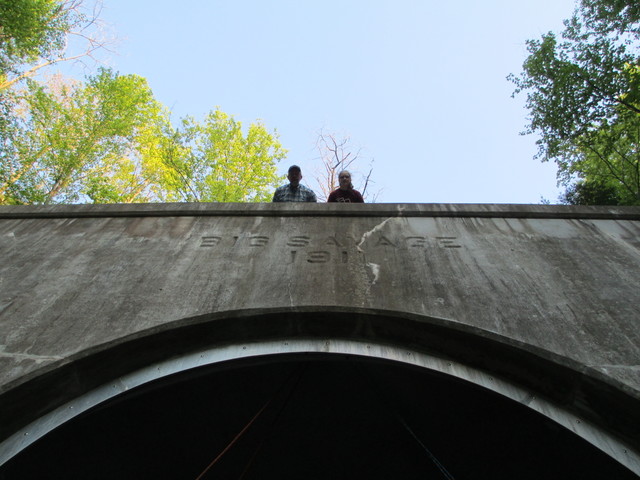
(419, 85)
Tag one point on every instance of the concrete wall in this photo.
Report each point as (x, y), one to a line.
(542, 297)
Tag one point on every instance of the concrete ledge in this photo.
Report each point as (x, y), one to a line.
(321, 210)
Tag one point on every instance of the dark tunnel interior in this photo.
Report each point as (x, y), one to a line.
(311, 416)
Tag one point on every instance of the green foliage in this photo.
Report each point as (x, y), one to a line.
(69, 133)
(583, 95)
(618, 17)
(214, 161)
(590, 193)
(33, 35)
(108, 140)
(32, 29)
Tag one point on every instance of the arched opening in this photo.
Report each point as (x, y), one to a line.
(311, 415)
(370, 393)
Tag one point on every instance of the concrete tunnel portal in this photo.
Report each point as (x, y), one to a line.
(334, 390)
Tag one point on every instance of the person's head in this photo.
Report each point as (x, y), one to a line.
(294, 175)
(344, 180)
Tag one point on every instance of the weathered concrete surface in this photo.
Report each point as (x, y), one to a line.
(546, 297)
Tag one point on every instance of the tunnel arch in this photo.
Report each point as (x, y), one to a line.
(585, 402)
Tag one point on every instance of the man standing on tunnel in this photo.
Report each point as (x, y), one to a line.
(294, 192)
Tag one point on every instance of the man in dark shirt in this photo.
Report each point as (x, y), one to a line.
(346, 193)
(294, 192)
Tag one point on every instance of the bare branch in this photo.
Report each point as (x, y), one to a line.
(335, 155)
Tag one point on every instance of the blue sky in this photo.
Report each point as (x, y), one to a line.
(418, 85)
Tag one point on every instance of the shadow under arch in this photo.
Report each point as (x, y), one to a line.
(573, 395)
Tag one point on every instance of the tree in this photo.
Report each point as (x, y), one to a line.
(212, 161)
(616, 17)
(36, 33)
(337, 154)
(590, 193)
(108, 140)
(69, 135)
(583, 95)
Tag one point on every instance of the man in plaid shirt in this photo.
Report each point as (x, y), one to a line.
(294, 192)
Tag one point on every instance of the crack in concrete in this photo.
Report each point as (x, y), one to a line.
(366, 235)
(375, 271)
(625, 367)
(26, 356)
(291, 304)
(373, 267)
(4, 305)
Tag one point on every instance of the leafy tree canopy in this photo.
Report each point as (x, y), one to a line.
(108, 140)
(67, 133)
(590, 193)
(209, 161)
(33, 31)
(30, 29)
(34, 34)
(583, 95)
